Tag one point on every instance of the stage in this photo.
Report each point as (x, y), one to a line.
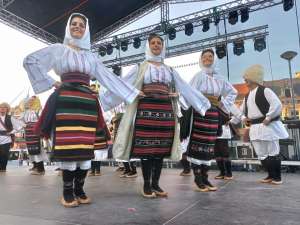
(26, 199)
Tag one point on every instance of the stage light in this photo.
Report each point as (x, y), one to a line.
(117, 70)
(188, 29)
(171, 33)
(205, 23)
(217, 19)
(109, 49)
(260, 44)
(288, 4)
(102, 51)
(221, 51)
(238, 47)
(233, 17)
(124, 45)
(244, 14)
(136, 42)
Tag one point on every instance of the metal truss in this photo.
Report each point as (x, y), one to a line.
(195, 18)
(164, 14)
(24, 26)
(5, 3)
(141, 12)
(195, 46)
(187, 1)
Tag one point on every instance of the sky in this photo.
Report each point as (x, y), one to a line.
(283, 36)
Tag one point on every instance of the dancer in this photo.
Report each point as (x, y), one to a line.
(261, 110)
(206, 129)
(72, 115)
(149, 126)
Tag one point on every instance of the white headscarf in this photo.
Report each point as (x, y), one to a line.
(149, 56)
(211, 70)
(84, 42)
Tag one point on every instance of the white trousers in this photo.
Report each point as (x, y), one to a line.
(263, 149)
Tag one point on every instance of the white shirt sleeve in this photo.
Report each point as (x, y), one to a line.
(17, 125)
(115, 85)
(228, 97)
(38, 64)
(193, 97)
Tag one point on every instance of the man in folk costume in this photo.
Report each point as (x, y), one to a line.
(149, 126)
(8, 126)
(261, 110)
(37, 155)
(72, 115)
(205, 129)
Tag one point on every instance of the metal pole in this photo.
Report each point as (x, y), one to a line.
(292, 90)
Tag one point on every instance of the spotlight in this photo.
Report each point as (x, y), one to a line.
(205, 23)
(124, 45)
(260, 44)
(221, 51)
(233, 17)
(171, 33)
(117, 70)
(288, 4)
(136, 42)
(117, 45)
(188, 29)
(109, 49)
(102, 51)
(238, 47)
(217, 19)
(244, 14)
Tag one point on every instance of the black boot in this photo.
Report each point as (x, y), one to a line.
(267, 165)
(186, 167)
(68, 199)
(33, 166)
(204, 172)
(132, 173)
(228, 173)
(97, 168)
(221, 166)
(126, 169)
(93, 168)
(80, 176)
(146, 170)
(39, 169)
(199, 179)
(156, 172)
(276, 169)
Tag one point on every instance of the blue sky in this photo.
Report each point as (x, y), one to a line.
(283, 36)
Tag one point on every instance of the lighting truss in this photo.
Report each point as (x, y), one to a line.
(5, 3)
(24, 26)
(194, 18)
(195, 46)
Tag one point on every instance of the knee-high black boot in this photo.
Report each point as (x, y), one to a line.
(93, 168)
(97, 168)
(156, 172)
(204, 172)
(186, 166)
(267, 165)
(132, 173)
(221, 167)
(146, 170)
(68, 199)
(126, 169)
(80, 176)
(228, 173)
(199, 179)
(276, 169)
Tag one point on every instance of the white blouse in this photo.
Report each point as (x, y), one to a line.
(217, 86)
(17, 125)
(29, 116)
(162, 74)
(63, 59)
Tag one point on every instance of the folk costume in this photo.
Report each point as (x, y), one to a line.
(150, 129)
(259, 104)
(72, 115)
(206, 129)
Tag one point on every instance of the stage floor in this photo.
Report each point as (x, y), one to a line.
(26, 199)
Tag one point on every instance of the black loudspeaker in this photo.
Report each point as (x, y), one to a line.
(287, 93)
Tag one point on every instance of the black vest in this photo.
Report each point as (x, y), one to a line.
(260, 100)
